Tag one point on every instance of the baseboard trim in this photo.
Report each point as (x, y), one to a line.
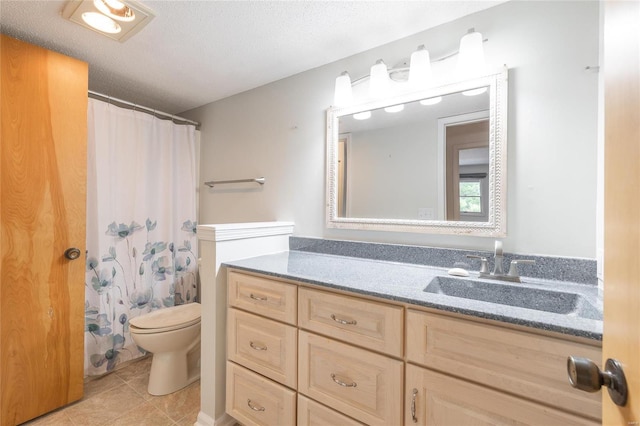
(206, 420)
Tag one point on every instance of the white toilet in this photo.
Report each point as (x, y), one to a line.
(172, 335)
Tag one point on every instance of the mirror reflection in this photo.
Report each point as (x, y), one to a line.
(425, 161)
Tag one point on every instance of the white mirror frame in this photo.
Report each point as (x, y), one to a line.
(496, 226)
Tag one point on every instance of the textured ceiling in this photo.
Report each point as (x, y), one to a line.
(196, 52)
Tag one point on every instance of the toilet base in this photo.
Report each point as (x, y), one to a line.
(173, 371)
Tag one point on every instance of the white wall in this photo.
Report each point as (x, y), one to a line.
(394, 171)
(278, 131)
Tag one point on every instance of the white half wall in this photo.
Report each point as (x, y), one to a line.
(219, 244)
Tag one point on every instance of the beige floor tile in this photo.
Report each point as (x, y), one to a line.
(190, 418)
(104, 407)
(57, 418)
(140, 384)
(101, 384)
(143, 415)
(181, 403)
(135, 369)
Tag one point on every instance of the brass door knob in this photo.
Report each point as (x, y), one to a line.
(72, 253)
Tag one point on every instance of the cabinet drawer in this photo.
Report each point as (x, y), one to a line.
(265, 346)
(310, 413)
(253, 400)
(373, 325)
(356, 382)
(437, 400)
(514, 361)
(270, 298)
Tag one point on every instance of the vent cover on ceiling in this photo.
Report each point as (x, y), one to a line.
(143, 15)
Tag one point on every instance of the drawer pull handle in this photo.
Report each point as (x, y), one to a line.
(258, 298)
(413, 405)
(343, 321)
(343, 384)
(258, 347)
(254, 407)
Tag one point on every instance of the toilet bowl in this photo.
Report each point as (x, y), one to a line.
(172, 335)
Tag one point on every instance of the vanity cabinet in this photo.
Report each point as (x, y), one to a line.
(497, 361)
(300, 355)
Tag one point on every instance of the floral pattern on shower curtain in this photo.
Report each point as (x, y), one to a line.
(141, 225)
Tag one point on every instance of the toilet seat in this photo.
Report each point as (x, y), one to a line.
(161, 320)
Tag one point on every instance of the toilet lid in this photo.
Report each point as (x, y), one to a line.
(169, 317)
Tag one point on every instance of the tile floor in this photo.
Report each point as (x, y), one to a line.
(121, 399)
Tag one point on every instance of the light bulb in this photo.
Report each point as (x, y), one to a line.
(343, 95)
(474, 92)
(471, 55)
(420, 68)
(101, 22)
(379, 82)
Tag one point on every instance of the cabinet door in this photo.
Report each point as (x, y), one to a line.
(434, 399)
(359, 383)
(43, 159)
(506, 359)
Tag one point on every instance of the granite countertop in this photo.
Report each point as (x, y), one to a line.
(406, 283)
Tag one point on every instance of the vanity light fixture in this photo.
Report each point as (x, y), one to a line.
(420, 68)
(116, 19)
(343, 95)
(471, 55)
(380, 83)
(470, 64)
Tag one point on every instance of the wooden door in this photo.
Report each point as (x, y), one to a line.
(622, 203)
(42, 213)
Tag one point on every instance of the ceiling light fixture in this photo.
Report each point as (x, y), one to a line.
(116, 19)
(101, 22)
(115, 9)
(362, 115)
(394, 108)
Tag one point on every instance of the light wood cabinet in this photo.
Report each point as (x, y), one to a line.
(373, 325)
(254, 400)
(267, 347)
(362, 384)
(311, 413)
(509, 360)
(350, 360)
(263, 296)
(437, 399)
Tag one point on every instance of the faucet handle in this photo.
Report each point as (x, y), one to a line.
(513, 267)
(484, 264)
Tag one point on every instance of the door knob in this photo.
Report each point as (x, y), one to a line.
(585, 375)
(72, 253)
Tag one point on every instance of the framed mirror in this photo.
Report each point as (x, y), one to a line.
(432, 161)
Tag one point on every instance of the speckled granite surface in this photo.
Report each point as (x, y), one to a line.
(406, 283)
(546, 267)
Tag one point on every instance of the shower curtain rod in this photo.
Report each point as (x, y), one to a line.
(135, 107)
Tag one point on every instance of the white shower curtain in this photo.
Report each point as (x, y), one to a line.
(141, 224)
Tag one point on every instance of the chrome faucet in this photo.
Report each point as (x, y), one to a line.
(498, 271)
